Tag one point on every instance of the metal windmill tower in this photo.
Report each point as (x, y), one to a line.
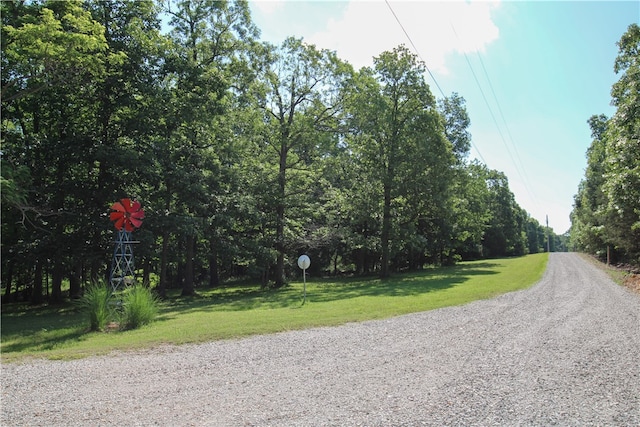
(127, 215)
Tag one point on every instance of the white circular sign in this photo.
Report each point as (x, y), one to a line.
(304, 262)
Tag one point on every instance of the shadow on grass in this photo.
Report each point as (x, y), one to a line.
(241, 298)
(43, 342)
(409, 284)
(31, 329)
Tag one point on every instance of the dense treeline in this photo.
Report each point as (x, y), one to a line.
(606, 214)
(244, 155)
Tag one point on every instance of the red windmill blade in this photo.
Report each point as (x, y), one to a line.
(127, 214)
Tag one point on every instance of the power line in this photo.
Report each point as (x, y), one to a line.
(515, 164)
(427, 67)
(414, 47)
(518, 165)
(506, 125)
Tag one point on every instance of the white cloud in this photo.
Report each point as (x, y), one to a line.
(367, 28)
(268, 7)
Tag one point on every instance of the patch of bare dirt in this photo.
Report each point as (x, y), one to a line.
(632, 281)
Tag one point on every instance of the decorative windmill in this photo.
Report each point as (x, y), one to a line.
(127, 215)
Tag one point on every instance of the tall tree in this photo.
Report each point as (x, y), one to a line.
(398, 141)
(589, 211)
(470, 214)
(466, 215)
(622, 184)
(211, 40)
(125, 120)
(456, 124)
(606, 212)
(301, 101)
(53, 54)
(504, 235)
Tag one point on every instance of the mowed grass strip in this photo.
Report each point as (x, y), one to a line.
(238, 311)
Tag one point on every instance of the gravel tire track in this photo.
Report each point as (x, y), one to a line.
(564, 352)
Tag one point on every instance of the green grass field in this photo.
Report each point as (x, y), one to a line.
(237, 311)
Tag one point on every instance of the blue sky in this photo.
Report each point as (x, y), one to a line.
(541, 70)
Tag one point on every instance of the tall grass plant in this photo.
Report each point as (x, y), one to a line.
(95, 305)
(139, 307)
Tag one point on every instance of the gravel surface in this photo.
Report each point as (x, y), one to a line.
(564, 352)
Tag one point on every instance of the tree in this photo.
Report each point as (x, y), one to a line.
(397, 142)
(467, 215)
(470, 214)
(504, 235)
(211, 40)
(588, 215)
(456, 124)
(301, 101)
(125, 123)
(14, 186)
(53, 53)
(536, 236)
(45, 45)
(606, 212)
(622, 184)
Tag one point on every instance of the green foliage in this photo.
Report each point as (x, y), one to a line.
(301, 100)
(456, 124)
(95, 303)
(57, 41)
(400, 150)
(132, 308)
(139, 307)
(606, 214)
(14, 185)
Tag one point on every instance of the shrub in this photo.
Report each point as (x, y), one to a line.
(95, 303)
(139, 307)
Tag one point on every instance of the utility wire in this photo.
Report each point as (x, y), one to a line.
(515, 164)
(506, 125)
(427, 67)
(414, 47)
(518, 165)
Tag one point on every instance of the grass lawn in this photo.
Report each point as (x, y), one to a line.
(236, 311)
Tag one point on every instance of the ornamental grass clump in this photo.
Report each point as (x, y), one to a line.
(95, 303)
(139, 307)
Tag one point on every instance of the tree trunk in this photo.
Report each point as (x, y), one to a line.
(46, 280)
(94, 273)
(280, 217)
(214, 274)
(279, 273)
(75, 280)
(187, 285)
(359, 260)
(36, 292)
(56, 279)
(386, 232)
(9, 280)
(146, 272)
(162, 285)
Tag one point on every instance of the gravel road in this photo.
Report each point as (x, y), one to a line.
(564, 352)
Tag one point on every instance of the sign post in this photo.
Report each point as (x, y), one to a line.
(304, 262)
